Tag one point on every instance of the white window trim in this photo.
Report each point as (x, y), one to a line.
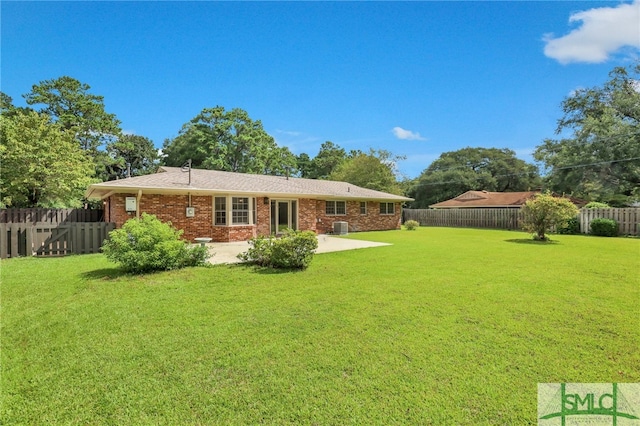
(229, 210)
(366, 208)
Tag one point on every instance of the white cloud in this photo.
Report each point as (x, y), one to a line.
(604, 31)
(401, 133)
(288, 132)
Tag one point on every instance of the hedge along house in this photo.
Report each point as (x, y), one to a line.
(228, 206)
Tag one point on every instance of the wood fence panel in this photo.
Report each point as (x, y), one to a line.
(466, 218)
(4, 246)
(47, 239)
(40, 215)
(628, 219)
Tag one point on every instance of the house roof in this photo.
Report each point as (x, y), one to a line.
(172, 180)
(486, 199)
(495, 199)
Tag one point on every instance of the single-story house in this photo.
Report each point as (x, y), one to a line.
(228, 206)
(486, 199)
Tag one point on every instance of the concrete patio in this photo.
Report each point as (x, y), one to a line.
(228, 252)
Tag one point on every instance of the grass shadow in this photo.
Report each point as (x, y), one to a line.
(263, 270)
(532, 241)
(106, 274)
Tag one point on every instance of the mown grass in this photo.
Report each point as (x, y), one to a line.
(446, 326)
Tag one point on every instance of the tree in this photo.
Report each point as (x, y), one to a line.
(74, 109)
(489, 169)
(599, 159)
(375, 170)
(133, 155)
(230, 141)
(6, 103)
(544, 212)
(304, 165)
(329, 158)
(42, 165)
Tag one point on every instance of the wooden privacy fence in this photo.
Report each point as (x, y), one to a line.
(38, 215)
(466, 218)
(628, 218)
(47, 239)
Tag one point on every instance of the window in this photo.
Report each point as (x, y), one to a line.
(363, 207)
(334, 208)
(220, 211)
(240, 210)
(387, 208)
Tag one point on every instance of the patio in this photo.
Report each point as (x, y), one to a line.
(228, 252)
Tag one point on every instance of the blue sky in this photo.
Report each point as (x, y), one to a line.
(415, 78)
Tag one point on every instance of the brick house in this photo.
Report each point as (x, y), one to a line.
(229, 206)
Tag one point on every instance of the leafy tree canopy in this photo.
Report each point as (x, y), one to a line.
(600, 157)
(132, 155)
(69, 104)
(228, 140)
(489, 169)
(42, 165)
(375, 170)
(329, 158)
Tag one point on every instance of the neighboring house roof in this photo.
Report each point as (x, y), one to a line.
(486, 199)
(494, 199)
(172, 180)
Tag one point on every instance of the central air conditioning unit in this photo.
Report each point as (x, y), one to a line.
(340, 228)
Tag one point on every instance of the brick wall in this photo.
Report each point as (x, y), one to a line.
(169, 208)
(372, 221)
(311, 216)
(263, 213)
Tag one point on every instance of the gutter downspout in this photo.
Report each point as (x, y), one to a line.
(138, 203)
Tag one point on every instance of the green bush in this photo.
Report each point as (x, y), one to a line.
(604, 227)
(411, 225)
(597, 205)
(147, 244)
(260, 251)
(294, 250)
(571, 227)
(544, 212)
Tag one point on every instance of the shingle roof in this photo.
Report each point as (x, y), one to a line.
(173, 180)
(486, 199)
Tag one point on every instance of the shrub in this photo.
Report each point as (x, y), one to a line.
(571, 227)
(597, 205)
(604, 227)
(412, 225)
(260, 251)
(147, 244)
(545, 211)
(294, 250)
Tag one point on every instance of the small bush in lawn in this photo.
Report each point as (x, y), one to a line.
(544, 212)
(571, 227)
(411, 225)
(294, 250)
(604, 227)
(147, 244)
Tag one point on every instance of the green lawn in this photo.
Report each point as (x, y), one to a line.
(447, 326)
